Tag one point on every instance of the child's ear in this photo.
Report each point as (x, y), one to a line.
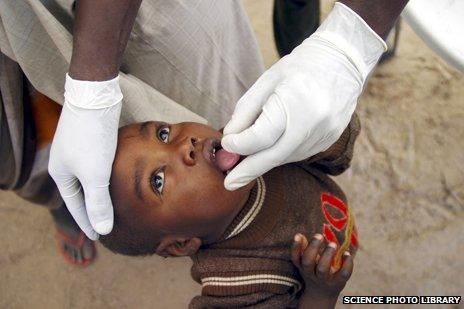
(178, 246)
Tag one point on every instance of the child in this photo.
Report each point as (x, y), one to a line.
(169, 199)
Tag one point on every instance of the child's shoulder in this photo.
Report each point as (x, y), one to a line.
(299, 177)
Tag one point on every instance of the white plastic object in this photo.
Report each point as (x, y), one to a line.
(440, 24)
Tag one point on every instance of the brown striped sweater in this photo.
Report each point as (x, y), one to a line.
(250, 266)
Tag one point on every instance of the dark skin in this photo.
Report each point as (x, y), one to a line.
(170, 164)
(102, 29)
(314, 259)
(165, 178)
(380, 15)
(101, 32)
(158, 173)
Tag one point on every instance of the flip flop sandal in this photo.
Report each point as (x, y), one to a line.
(79, 251)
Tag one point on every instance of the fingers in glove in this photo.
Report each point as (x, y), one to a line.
(73, 197)
(259, 163)
(265, 131)
(250, 104)
(99, 208)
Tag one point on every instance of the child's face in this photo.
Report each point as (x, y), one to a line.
(165, 177)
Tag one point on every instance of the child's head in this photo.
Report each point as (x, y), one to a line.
(168, 194)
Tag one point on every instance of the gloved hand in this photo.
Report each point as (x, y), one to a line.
(302, 104)
(83, 151)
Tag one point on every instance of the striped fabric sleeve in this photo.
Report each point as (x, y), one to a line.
(281, 283)
(247, 283)
(259, 290)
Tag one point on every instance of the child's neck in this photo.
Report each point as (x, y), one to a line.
(216, 235)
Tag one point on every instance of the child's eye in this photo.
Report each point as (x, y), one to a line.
(163, 134)
(157, 181)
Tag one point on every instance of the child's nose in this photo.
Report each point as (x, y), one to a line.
(188, 150)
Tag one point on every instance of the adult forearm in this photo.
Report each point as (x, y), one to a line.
(380, 15)
(101, 32)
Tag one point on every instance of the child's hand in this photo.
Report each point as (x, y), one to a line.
(314, 262)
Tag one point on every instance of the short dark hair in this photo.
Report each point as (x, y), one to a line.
(128, 237)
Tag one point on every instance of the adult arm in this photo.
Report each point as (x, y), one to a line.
(301, 105)
(84, 145)
(380, 15)
(101, 32)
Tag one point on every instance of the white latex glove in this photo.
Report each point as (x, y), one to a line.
(302, 104)
(83, 151)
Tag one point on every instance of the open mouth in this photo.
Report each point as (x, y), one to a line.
(221, 159)
(216, 147)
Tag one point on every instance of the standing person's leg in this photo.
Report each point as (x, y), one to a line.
(40, 188)
(294, 21)
(27, 123)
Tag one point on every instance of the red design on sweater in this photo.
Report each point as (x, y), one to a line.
(333, 202)
(329, 201)
(329, 235)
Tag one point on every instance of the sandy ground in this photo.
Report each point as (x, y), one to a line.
(406, 187)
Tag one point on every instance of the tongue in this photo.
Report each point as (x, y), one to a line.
(226, 160)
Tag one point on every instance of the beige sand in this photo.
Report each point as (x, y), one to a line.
(406, 187)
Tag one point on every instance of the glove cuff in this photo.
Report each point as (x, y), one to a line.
(351, 35)
(92, 94)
